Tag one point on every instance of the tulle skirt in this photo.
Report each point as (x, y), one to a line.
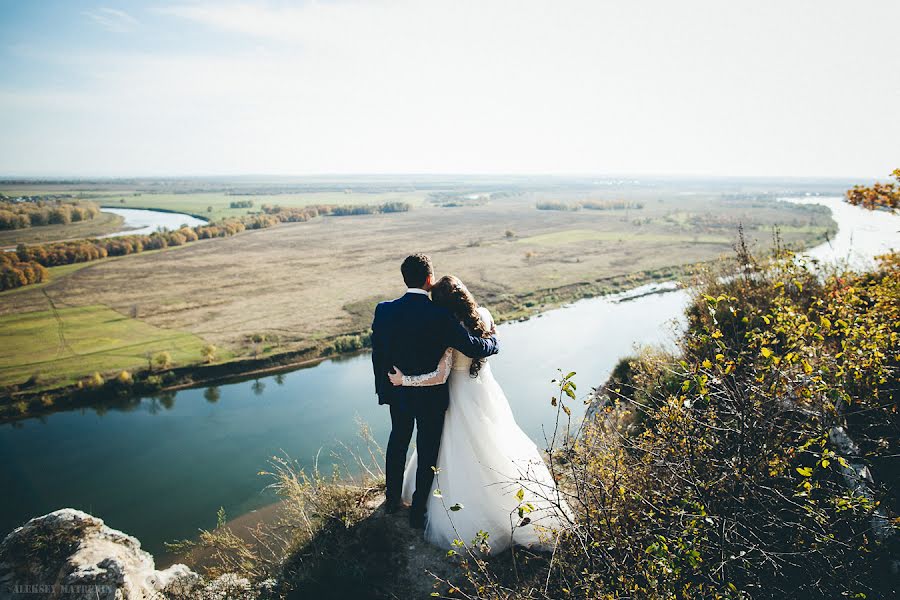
(491, 476)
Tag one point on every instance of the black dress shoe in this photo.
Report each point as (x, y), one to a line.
(392, 506)
(417, 520)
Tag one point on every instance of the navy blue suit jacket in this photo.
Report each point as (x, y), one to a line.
(412, 333)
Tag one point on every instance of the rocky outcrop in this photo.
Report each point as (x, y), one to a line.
(73, 555)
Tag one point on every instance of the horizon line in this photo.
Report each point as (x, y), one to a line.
(8, 178)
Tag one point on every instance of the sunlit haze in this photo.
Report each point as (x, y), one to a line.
(795, 88)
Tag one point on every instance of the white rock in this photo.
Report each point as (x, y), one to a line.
(73, 554)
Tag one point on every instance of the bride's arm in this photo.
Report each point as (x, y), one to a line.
(437, 377)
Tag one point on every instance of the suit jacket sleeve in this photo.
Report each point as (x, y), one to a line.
(379, 356)
(459, 337)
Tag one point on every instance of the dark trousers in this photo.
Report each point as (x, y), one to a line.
(429, 422)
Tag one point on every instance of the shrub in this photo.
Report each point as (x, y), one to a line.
(554, 205)
(208, 352)
(162, 360)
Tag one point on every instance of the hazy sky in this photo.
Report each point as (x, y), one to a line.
(781, 87)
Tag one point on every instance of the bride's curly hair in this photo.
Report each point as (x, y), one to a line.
(450, 293)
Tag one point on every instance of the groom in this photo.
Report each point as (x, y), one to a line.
(412, 333)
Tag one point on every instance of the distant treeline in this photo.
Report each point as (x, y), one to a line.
(28, 264)
(241, 204)
(880, 195)
(14, 272)
(589, 205)
(22, 215)
(295, 214)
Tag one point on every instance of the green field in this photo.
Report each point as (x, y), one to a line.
(64, 345)
(199, 203)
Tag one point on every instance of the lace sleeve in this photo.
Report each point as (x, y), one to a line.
(437, 377)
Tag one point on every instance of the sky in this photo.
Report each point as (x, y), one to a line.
(694, 87)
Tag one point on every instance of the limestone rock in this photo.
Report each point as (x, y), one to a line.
(73, 555)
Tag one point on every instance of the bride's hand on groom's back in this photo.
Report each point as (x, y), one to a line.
(396, 376)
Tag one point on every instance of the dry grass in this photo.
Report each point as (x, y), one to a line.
(100, 225)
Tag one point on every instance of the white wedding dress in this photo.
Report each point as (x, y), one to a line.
(486, 465)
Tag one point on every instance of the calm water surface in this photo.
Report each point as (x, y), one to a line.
(144, 222)
(160, 469)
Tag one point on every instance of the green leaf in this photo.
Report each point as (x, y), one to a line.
(805, 471)
(457, 507)
(520, 495)
(437, 494)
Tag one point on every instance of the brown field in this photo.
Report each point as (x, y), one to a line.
(294, 285)
(100, 225)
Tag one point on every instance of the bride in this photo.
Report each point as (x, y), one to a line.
(490, 476)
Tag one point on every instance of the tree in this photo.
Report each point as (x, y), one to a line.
(208, 352)
(879, 195)
(95, 380)
(163, 360)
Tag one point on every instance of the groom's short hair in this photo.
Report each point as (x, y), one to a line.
(416, 269)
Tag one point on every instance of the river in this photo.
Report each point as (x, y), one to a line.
(161, 468)
(143, 222)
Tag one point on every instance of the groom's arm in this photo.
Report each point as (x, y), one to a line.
(459, 337)
(379, 355)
